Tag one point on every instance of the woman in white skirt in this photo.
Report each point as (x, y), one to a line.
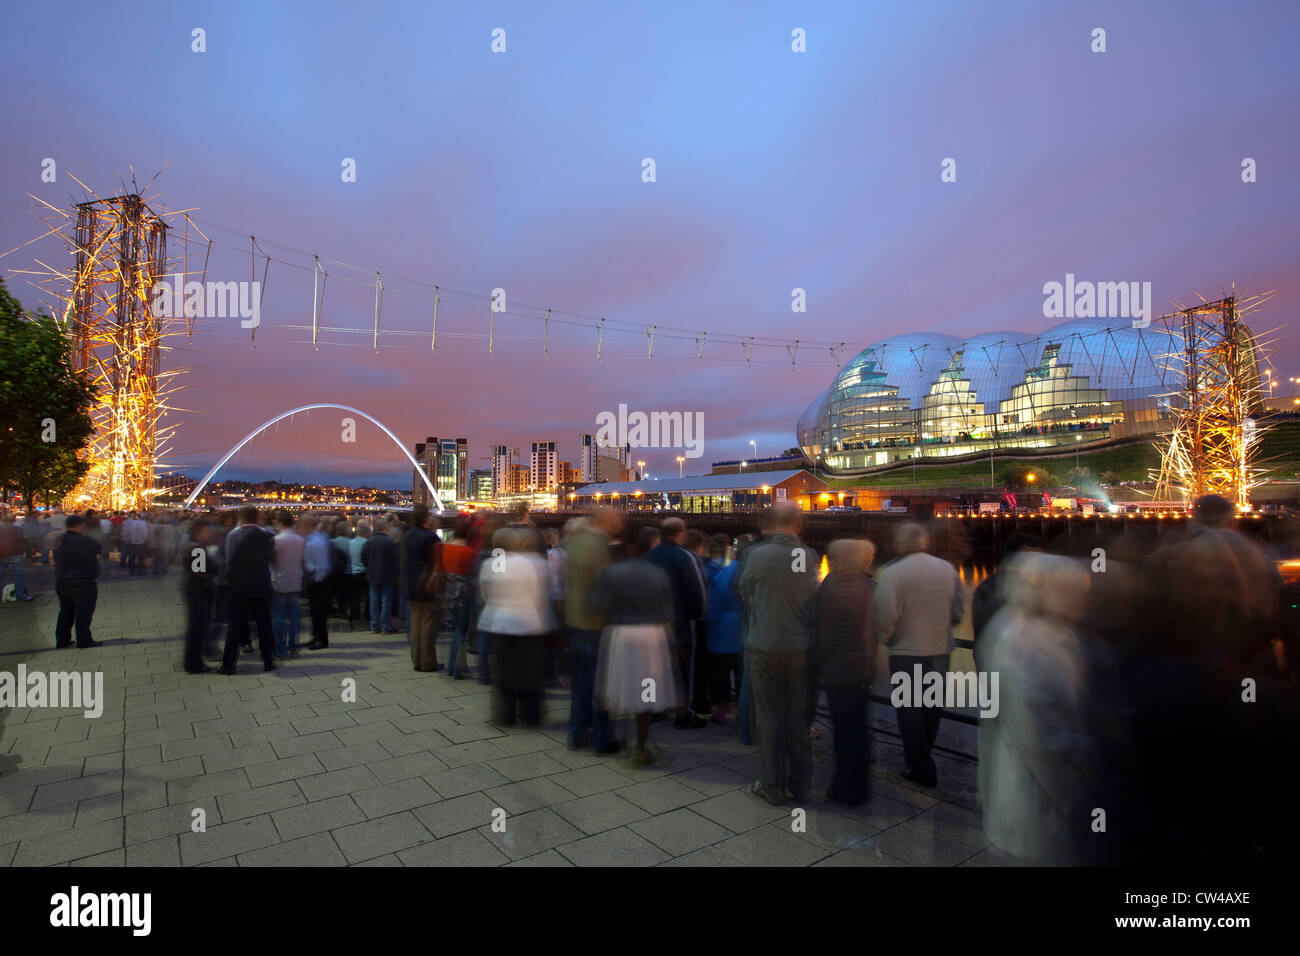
(635, 671)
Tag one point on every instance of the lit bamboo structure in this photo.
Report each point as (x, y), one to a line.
(1211, 447)
(118, 252)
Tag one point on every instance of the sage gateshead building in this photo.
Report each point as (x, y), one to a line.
(929, 395)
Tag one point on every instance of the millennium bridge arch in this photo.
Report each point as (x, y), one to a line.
(433, 492)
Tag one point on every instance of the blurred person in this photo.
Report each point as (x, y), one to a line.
(1212, 606)
(380, 559)
(779, 583)
(637, 672)
(32, 533)
(587, 555)
(701, 705)
(1037, 758)
(401, 611)
(481, 640)
(135, 538)
(458, 559)
(517, 616)
(555, 563)
(160, 535)
(846, 663)
(723, 630)
(318, 564)
(198, 583)
(12, 548)
(686, 581)
(47, 535)
(249, 550)
(986, 600)
(97, 529)
(745, 731)
(341, 542)
(76, 573)
(287, 569)
(422, 567)
(918, 602)
(358, 591)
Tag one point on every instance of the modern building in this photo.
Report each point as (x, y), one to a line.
(1085, 382)
(706, 494)
(543, 465)
(500, 470)
(480, 484)
(587, 453)
(566, 474)
(518, 481)
(610, 468)
(446, 462)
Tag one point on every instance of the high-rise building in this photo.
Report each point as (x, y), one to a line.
(480, 484)
(542, 465)
(566, 474)
(518, 482)
(500, 470)
(446, 462)
(587, 452)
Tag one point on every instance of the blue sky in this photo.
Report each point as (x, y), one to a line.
(775, 170)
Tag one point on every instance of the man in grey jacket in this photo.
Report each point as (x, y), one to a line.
(918, 600)
(778, 585)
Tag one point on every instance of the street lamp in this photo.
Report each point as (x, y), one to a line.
(916, 453)
(1077, 439)
(641, 469)
(680, 464)
(755, 446)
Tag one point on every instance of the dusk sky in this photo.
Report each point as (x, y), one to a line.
(522, 170)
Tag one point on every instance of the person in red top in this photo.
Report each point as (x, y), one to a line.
(458, 560)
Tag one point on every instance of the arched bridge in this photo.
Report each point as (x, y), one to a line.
(433, 492)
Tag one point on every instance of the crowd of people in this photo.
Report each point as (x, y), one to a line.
(1117, 683)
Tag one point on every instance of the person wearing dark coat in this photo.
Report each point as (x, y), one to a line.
(76, 568)
(689, 592)
(846, 661)
(198, 580)
(248, 575)
(379, 556)
(422, 569)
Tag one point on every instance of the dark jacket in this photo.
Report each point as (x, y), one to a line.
(249, 570)
(778, 598)
(685, 579)
(199, 582)
(379, 555)
(76, 557)
(420, 548)
(846, 629)
(632, 592)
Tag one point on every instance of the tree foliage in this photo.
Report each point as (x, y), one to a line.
(44, 406)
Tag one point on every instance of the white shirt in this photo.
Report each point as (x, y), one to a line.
(516, 595)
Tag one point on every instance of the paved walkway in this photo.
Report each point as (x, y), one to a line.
(410, 774)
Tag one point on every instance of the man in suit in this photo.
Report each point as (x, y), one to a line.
(76, 568)
(250, 548)
(420, 546)
(689, 595)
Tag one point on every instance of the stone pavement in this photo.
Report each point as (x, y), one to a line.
(288, 774)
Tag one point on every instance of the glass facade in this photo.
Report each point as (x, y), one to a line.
(932, 395)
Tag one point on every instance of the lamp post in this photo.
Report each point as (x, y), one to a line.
(916, 453)
(640, 465)
(680, 464)
(754, 445)
(1077, 439)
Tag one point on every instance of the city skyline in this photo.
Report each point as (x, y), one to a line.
(1122, 167)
